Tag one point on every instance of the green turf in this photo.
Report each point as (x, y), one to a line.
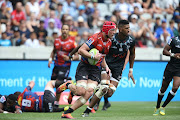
(118, 111)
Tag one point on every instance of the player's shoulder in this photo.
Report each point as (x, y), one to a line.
(131, 38)
(176, 38)
(173, 40)
(96, 36)
(57, 39)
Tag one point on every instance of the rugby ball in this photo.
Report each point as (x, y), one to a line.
(93, 51)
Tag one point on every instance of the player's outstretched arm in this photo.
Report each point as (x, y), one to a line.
(131, 63)
(31, 84)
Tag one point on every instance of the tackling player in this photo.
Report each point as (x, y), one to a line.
(172, 71)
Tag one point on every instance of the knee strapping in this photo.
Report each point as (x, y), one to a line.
(105, 82)
(102, 91)
(83, 101)
(112, 87)
(82, 84)
(91, 85)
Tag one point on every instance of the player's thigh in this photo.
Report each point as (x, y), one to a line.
(63, 73)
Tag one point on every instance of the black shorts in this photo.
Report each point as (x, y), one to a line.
(170, 72)
(48, 101)
(60, 72)
(85, 71)
(116, 73)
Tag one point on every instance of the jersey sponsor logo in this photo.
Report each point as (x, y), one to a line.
(2, 99)
(90, 41)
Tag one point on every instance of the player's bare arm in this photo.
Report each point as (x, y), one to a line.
(131, 62)
(166, 52)
(83, 50)
(104, 65)
(73, 55)
(51, 57)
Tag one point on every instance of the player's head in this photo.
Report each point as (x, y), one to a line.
(65, 30)
(11, 101)
(109, 28)
(123, 26)
(17, 93)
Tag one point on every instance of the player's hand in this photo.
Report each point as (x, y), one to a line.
(108, 71)
(130, 75)
(98, 56)
(177, 55)
(65, 57)
(18, 111)
(49, 64)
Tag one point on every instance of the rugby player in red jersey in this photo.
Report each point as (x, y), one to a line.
(62, 46)
(88, 76)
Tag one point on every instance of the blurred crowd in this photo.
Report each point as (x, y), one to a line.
(36, 23)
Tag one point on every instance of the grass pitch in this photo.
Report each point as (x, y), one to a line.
(117, 111)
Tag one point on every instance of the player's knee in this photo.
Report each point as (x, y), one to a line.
(112, 87)
(80, 91)
(58, 83)
(162, 90)
(102, 91)
(91, 87)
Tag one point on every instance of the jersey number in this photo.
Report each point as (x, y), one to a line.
(26, 103)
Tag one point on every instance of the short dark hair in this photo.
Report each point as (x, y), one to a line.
(123, 22)
(12, 97)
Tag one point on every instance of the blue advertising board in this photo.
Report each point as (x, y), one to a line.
(15, 75)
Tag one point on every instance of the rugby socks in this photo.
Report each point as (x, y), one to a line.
(70, 110)
(88, 110)
(160, 96)
(106, 100)
(169, 98)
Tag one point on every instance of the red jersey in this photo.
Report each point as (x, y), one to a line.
(63, 47)
(97, 41)
(18, 16)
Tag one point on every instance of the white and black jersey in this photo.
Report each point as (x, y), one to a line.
(173, 66)
(175, 48)
(118, 51)
(117, 54)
